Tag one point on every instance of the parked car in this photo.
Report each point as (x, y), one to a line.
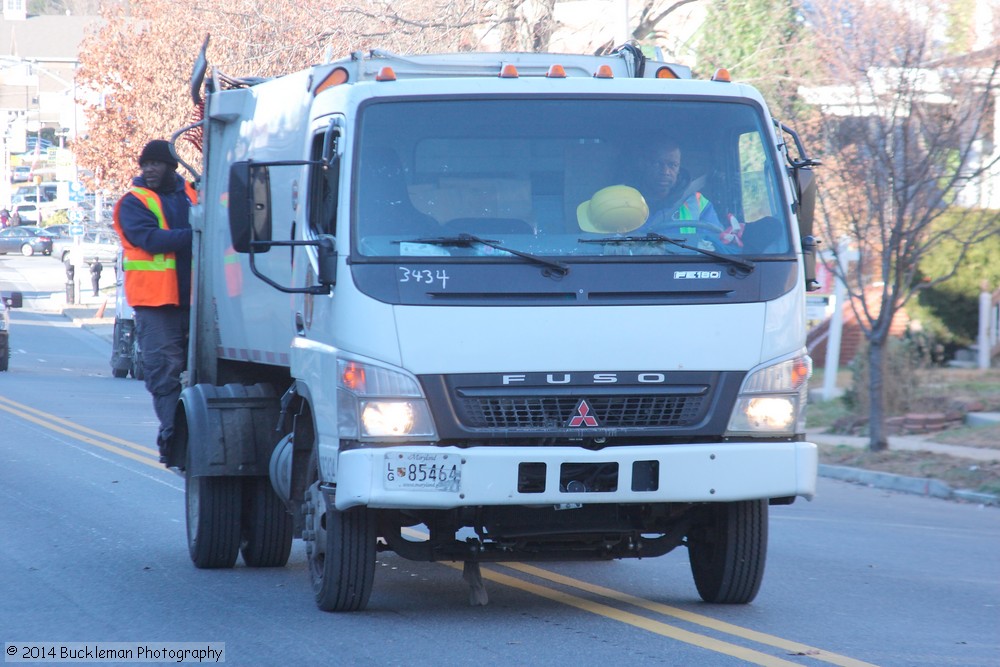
(8, 300)
(102, 244)
(21, 174)
(26, 240)
(57, 231)
(29, 198)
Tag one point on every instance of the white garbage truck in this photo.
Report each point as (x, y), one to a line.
(432, 315)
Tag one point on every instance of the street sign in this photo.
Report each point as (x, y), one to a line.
(76, 215)
(76, 230)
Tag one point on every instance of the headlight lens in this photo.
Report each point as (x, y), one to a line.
(375, 402)
(772, 399)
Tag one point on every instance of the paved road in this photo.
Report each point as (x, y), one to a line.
(93, 550)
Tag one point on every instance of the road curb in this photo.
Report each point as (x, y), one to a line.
(915, 485)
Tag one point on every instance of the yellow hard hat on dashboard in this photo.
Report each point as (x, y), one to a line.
(615, 209)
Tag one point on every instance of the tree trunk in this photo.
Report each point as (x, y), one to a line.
(877, 439)
(541, 31)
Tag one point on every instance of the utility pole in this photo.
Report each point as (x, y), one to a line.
(624, 26)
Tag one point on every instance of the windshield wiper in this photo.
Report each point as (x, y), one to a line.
(653, 237)
(467, 240)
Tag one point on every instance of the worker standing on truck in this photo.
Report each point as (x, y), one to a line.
(152, 222)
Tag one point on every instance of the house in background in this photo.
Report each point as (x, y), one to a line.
(38, 62)
(857, 105)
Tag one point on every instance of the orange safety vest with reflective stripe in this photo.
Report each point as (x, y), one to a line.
(150, 280)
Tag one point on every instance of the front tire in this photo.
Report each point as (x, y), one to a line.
(727, 547)
(341, 549)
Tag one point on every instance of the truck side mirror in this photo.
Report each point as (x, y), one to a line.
(249, 207)
(809, 245)
(327, 255)
(805, 183)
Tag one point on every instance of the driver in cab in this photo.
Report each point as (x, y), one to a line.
(676, 204)
(668, 189)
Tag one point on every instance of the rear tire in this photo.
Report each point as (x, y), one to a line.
(213, 519)
(266, 537)
(27, 250)
(727, 547)
(341, 550)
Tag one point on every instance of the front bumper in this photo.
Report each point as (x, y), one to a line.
(685, 473)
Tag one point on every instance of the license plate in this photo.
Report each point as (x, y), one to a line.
(422, 472)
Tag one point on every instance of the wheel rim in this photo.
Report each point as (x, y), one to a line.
(27, 250)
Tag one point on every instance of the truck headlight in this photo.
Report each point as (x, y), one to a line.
(376, 402)
(772, 399)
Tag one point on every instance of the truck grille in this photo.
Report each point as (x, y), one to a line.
(535, 412)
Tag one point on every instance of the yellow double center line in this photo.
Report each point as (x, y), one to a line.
(787, 646)
(606, 610)
(149, 456)
(130, 450)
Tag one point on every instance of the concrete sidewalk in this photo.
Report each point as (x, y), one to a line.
(917, 485)
(917, 443)
(95, 313)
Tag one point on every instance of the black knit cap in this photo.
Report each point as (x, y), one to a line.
(158, 150)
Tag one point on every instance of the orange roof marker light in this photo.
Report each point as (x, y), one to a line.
(666, 73)
(722, 74)
(556, 72)
(334, 78)
(604, 72)
(386, 74)
(509, 72)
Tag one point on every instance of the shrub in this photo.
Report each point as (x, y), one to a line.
(903, 361)
(950, 310)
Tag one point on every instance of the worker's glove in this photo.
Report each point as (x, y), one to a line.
(734, 233)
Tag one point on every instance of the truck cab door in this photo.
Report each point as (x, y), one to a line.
(322, 200)
(251, 214)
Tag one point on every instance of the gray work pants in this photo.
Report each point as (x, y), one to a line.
(163, 337)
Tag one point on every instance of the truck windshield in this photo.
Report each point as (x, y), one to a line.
(567, 178)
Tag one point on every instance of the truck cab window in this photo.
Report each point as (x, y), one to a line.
(323, 193)
(435, 170)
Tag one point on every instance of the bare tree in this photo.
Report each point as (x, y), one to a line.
(907, 136)
(652, 13)
(135, 69)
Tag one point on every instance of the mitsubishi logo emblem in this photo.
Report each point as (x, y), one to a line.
(582, 416)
